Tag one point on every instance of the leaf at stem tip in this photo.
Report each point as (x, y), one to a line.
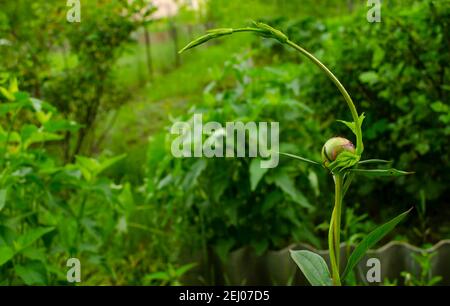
(300, 158)
(353, 127)
(371, 239)
(380, 172)
(313, 267)
(274, 33)
(214, 33)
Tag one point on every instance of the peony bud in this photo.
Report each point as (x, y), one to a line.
(335, 146)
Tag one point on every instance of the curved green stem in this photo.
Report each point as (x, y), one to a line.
(333, 78)
(268, 31)
(248, 29)
(345, 94)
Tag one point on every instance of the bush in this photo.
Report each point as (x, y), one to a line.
(49, 211)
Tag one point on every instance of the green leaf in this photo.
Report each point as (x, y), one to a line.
(286, 184)
(109, 162)
(2, 198)
(352, 127)
(314, 182)
(271, 32)
(157, 276)
(13, 86)
(370, 77)
(380, 172)
(91, 167)
(300, 158)
(351, 124)
(214, 33)
(194, 174)
(370, 240)
(32, 273)
(30, 237)
(313, 267)
(256, 173)
(440, 107)
(88, 166)
(6, 253)
(59, 125)
(374, 161)
(344, 161)
(8, 95)
(184, 269)
(40, 136)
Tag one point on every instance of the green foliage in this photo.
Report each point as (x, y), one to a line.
(86, 84)
(425, 277)
(170, 277)
(50, 212)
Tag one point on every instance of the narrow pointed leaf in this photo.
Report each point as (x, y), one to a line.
(370, 240)
(214, 33)
(374, 161)
(313, 267)
(300, 158)
(380, 172)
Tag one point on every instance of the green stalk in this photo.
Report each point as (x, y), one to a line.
(345, 94)
(334, 232)
(338, 183)
(331, 247)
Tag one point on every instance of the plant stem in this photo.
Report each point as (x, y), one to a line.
(334, 232)
(338, 183)
(331, 247)
(334, 79)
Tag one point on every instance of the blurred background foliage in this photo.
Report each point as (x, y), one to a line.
(86, 169)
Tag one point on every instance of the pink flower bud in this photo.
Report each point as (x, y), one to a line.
(333, 147)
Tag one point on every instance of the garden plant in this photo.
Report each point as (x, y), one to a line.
(343, 161)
